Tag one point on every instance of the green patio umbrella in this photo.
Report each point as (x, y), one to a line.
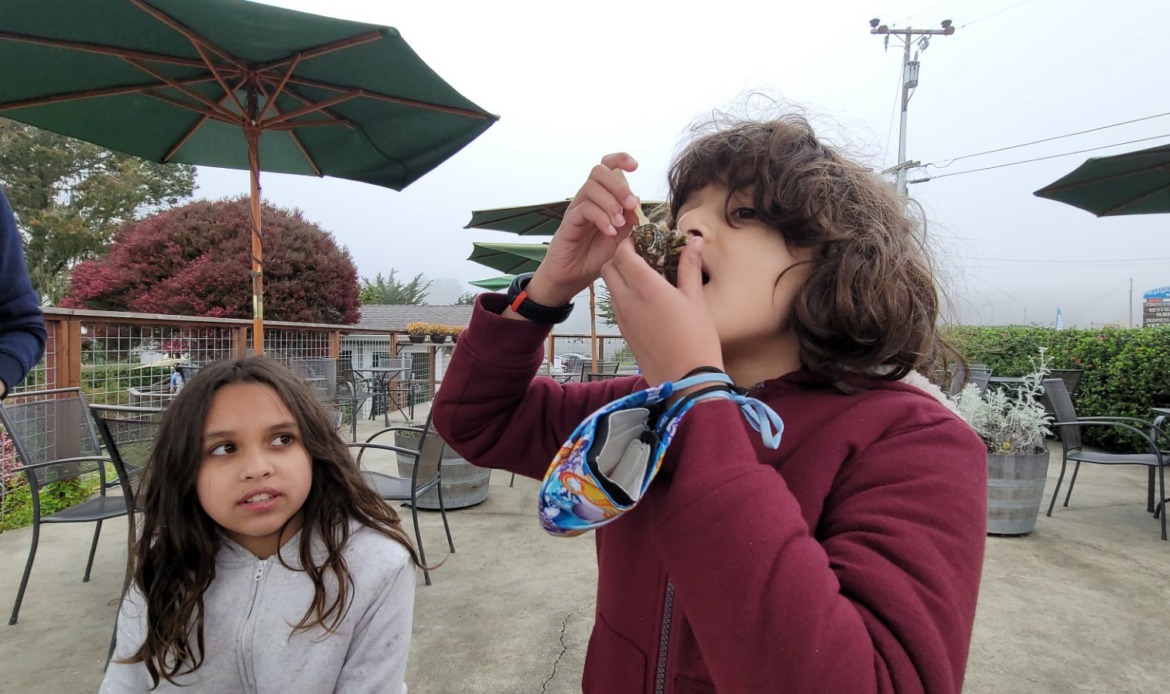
(509, 258)
(1131, 183)
(541, 220)
(533, 220)
(232, 84)
(515, 258)
(496, 283)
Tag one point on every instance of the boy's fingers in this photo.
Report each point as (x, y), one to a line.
(619, 160)
(607, 192)
(615, 184)
(690, 268)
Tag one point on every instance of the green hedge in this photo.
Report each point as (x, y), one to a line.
(1126, 371)
(109, 384)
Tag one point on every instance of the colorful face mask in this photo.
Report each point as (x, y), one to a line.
(610, 459)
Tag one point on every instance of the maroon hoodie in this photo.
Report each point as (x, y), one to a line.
(848, 560)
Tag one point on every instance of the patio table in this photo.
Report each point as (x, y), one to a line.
(381, 377)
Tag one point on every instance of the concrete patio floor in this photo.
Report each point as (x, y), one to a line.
(1078, 606)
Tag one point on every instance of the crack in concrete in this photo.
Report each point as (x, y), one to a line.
(564, 649)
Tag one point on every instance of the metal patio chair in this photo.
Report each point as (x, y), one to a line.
(1070, 426)
(129, 434)
(977, 374)
(426, 474)
(55, 440)
(605, 370)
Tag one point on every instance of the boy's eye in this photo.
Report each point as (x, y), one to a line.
(282, 440)
(222, 449)
(744, 213)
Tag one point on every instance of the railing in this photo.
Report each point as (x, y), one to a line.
(126, 358)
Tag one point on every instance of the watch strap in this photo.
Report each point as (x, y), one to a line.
(522, 305)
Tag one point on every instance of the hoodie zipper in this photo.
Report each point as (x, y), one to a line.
(664, 639)
(244, 652)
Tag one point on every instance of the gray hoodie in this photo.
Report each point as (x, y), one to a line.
(251, 608)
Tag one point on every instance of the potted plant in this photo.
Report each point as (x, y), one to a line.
(1013, 425)
(417, 331)
(455, 331)
(438, 332)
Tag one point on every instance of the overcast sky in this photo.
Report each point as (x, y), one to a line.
(573, 81)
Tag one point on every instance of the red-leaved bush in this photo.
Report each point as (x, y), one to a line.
(195, 260)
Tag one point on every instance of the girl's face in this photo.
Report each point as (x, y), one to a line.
(255, 475)
(747, 289)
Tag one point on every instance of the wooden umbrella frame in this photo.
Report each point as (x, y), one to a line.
(261, 83)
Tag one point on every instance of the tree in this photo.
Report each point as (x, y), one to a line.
(605, 305)
(388, 290)
(70, 197)
(466, 299)
(195, 260)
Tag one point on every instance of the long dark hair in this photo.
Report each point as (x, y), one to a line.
(870, 303)
(173, 562)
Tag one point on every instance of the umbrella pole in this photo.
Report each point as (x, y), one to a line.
(253, 137)
(593, 325)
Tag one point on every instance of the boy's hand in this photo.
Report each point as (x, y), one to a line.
(669, 329)
(597, 219)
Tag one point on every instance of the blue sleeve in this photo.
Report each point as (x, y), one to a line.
(22, 325)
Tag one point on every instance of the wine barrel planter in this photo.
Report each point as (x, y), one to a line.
(464, 484)
(1015, 490)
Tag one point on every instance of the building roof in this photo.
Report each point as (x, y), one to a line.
(396, 316)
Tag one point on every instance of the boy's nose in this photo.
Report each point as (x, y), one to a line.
(694, 223)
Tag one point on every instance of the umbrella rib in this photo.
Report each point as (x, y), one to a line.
(310, 108)
(182, 88)
(271, 103)
(92, 93)
(214, 115)
(187, 33)
(358, 91)
(324, 49)
(305, 100)
(1132, 202)
(219, 78)
(202, 120)
(1107, 177)
(102, 50)
(283, 127)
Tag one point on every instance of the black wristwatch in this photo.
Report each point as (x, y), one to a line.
(519, 302)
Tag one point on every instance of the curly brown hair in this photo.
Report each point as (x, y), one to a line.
(870, 303)
(173, 562)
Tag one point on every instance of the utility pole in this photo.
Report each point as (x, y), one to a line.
(909, 82)
(1131, 302)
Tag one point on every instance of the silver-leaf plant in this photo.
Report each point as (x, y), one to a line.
(1010, 421)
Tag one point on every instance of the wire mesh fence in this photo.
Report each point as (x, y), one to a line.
(124, 363)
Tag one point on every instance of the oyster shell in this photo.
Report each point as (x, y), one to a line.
(659, 247)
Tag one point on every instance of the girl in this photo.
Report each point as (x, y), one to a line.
(265, 563)
(846, 560)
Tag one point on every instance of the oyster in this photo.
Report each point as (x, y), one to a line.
(659, 247)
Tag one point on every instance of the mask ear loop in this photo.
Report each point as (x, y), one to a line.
(761, 417)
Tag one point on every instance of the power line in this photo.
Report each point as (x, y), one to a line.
(1029, 161)
(1025, 2)
(890, 125)
(1047, 139)
(922, 12)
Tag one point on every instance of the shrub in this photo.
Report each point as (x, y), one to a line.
(194, 261)
(1126, 370)
(16, 510)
